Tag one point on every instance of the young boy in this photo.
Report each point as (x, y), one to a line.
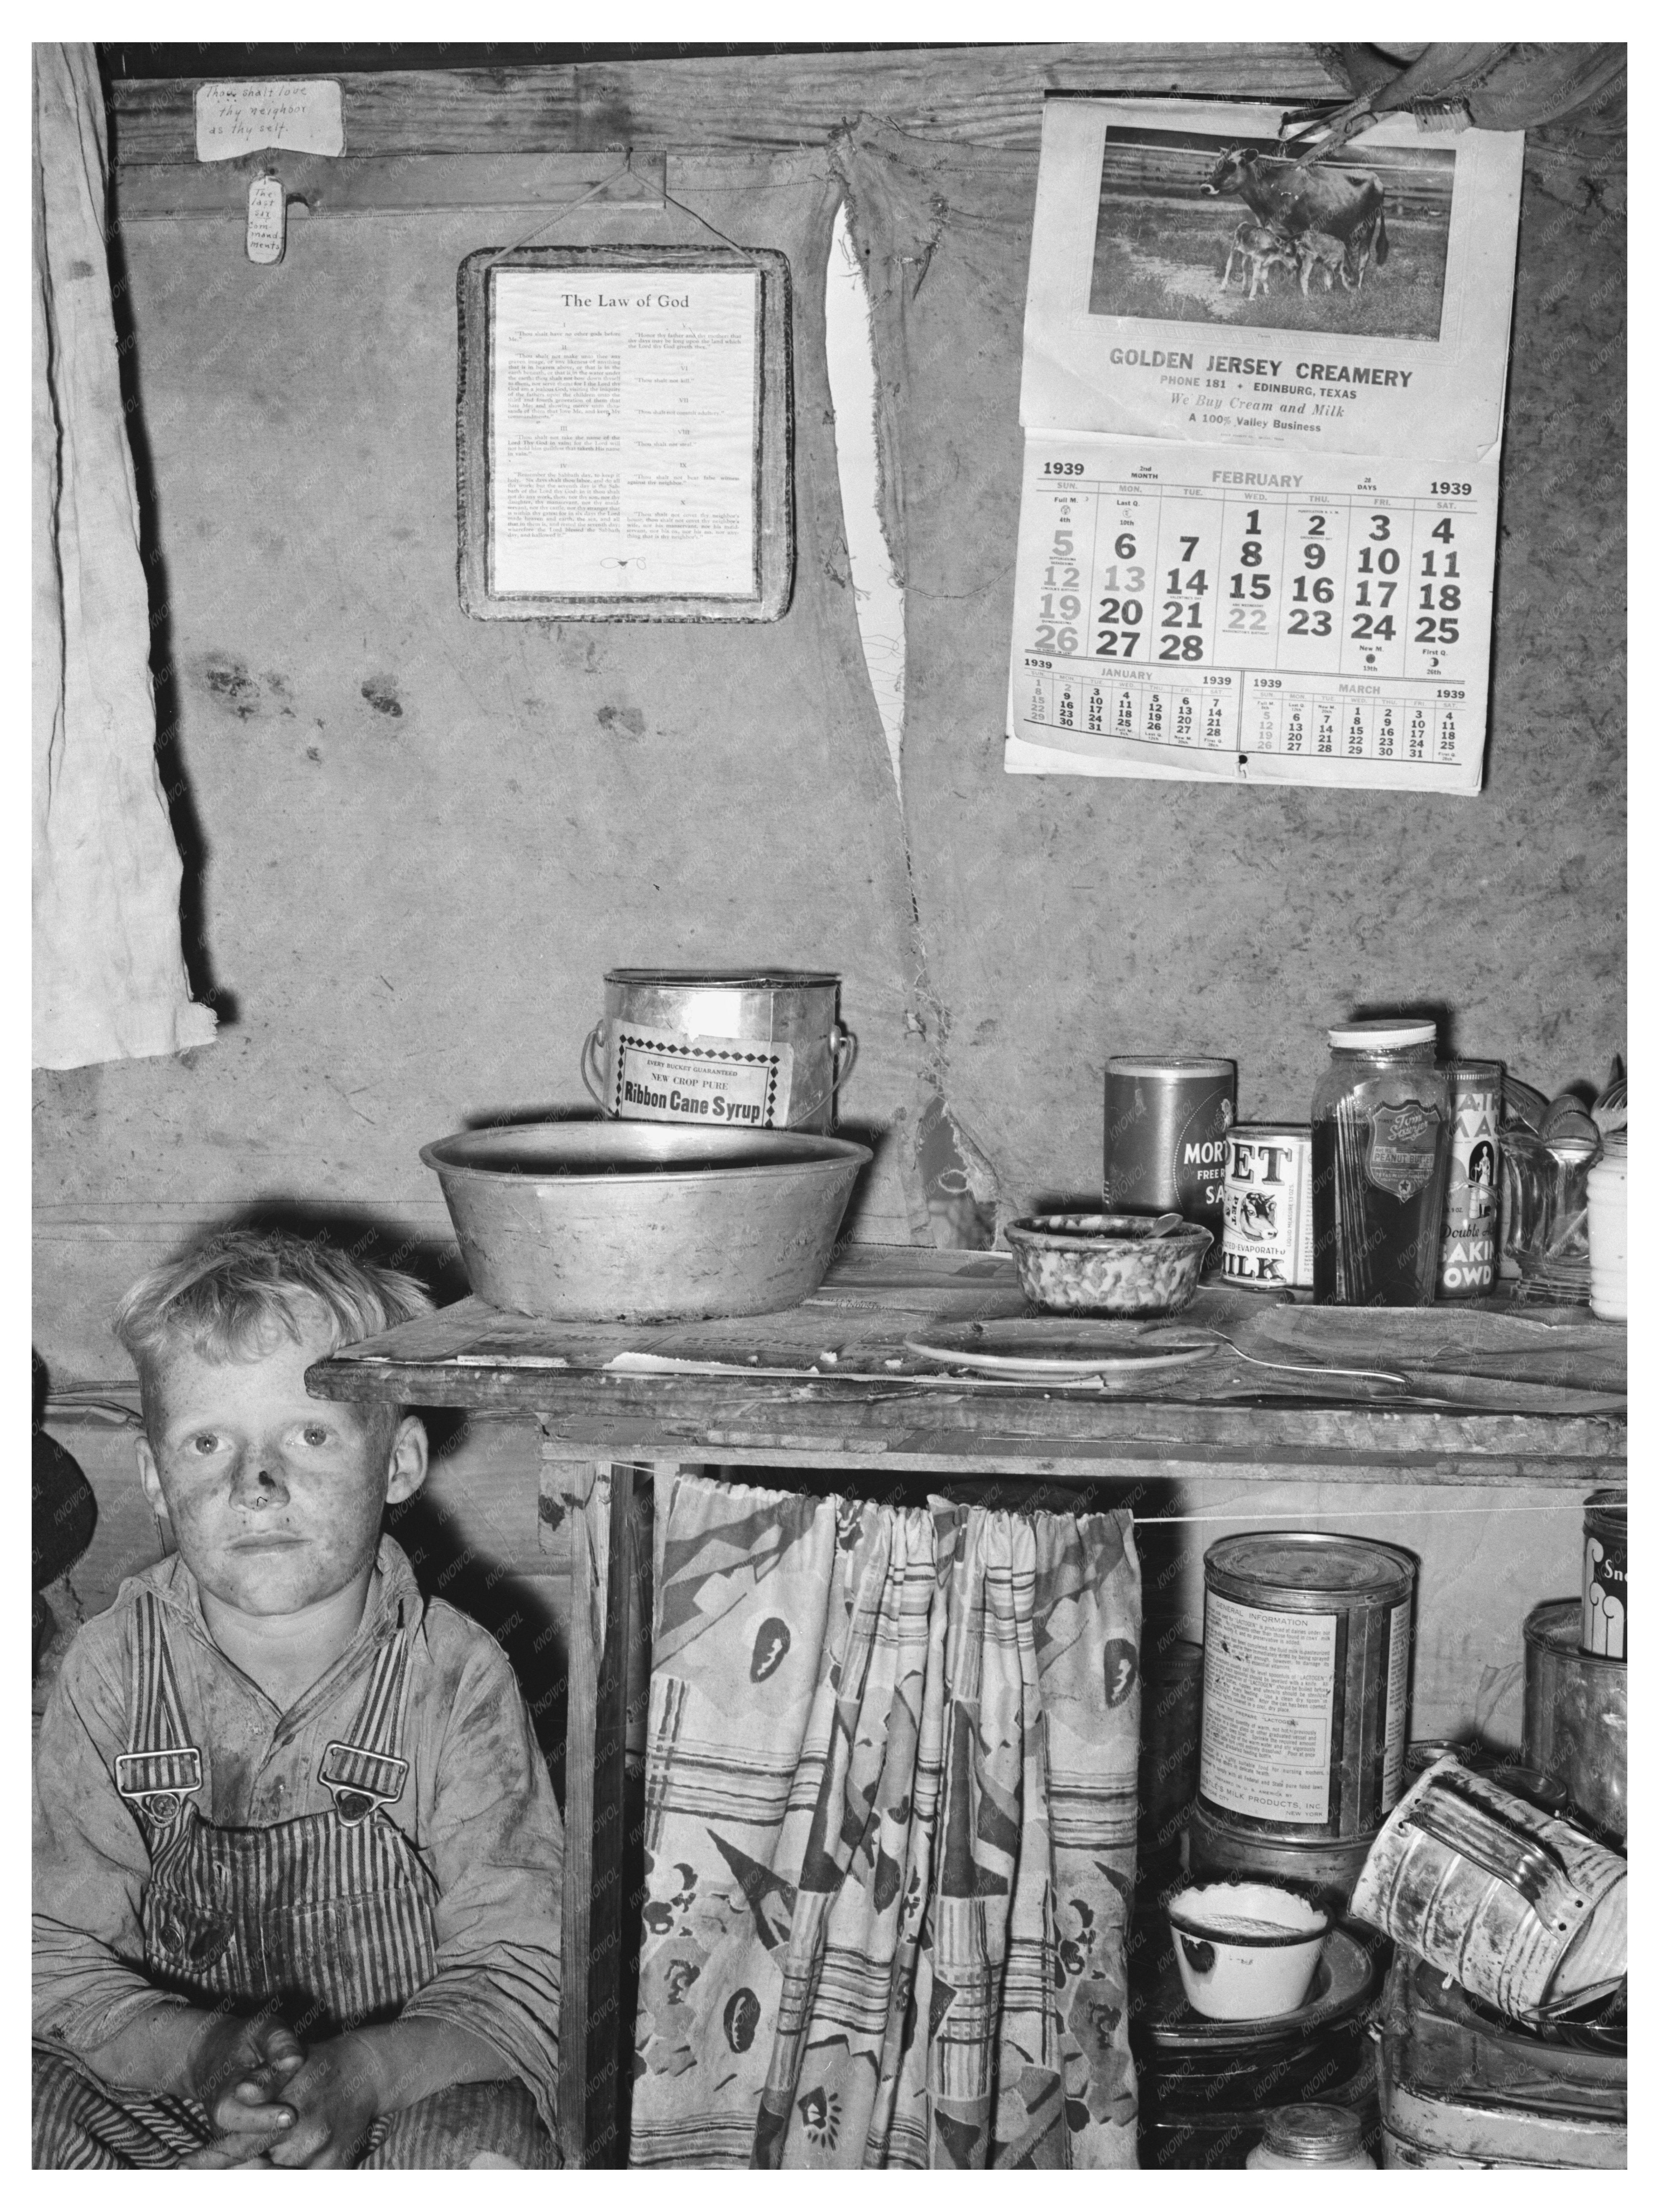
(296, 1854)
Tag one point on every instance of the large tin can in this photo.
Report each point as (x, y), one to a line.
(1517, 1906)
(1468, 1229)
(1576, 1718)
(1166, 1137)
(1267, 1242)
(744, 1048)
(1604, 1606)
(1307, 1654)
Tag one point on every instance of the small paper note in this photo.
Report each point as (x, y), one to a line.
(306, 116)
(267, 220)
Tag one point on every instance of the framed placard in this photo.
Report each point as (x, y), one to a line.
(625, 434)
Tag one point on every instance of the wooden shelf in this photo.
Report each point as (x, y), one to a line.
(1496, 1396)
(1493, 1397)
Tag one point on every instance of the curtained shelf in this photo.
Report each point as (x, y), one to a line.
(1494, 1395)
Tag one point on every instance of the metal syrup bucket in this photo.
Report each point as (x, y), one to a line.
(720, 1049)
(1520, 1908)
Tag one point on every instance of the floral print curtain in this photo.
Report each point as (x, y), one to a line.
(891, 1827)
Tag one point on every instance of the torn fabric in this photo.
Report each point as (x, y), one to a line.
(109, 973)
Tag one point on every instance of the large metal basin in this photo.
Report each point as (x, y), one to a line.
(644, 1220)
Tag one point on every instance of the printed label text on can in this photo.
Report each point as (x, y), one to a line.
(722, 1082)
(1269, 1686)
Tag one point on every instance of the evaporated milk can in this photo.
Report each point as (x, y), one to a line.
(1469, 1233)
(1167, 1121)
(1267, 1242)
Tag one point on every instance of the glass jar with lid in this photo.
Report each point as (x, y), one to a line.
(1311, 2135)
(1381, 1135)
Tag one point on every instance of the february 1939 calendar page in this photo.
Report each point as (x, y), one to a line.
(1263, 406)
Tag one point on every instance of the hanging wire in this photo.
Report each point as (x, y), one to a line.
(665, 198)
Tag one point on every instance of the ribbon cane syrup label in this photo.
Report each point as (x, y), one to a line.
(726, 1083)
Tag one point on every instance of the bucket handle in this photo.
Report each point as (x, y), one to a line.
(1520, 1859)
(593, 1067)
(843, 1052)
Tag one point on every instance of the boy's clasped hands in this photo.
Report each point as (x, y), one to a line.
(273, 2103)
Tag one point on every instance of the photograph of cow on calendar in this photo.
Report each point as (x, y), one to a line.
(1193, 228)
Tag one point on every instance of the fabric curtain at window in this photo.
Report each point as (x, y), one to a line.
(109, 973)
(890, 1836)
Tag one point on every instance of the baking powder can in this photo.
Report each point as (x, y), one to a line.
(1267, 1242)
(1468, 1234)
(1604, 1608)
(1307, 1653)
(1166, 1137)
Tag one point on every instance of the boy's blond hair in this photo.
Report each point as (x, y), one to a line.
(229, 1295)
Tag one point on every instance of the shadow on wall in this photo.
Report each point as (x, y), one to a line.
(188, 833)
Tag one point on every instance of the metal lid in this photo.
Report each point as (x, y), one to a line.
(1172, 1063)
(1608, 1505)
(1246, 1130)
(1320, 2134)
(1390, 1035)
(726, 979)
(1311, 1562)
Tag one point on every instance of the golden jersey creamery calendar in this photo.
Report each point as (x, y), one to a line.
(1263, 403)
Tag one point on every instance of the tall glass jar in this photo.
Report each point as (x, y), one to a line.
(1382, 1136)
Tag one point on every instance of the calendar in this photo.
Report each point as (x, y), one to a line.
(1309, 619)
(1263, 403)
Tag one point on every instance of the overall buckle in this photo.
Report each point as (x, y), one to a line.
(361, 1781)
(157, 1782)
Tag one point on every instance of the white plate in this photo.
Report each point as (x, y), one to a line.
(1005, 1349)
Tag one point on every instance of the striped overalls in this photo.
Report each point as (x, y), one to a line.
(329, 1918)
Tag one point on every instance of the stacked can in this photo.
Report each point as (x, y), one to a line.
(1266, 1243)
(1604, 1605)
(1469, 1233)
(1307, 1654)
(1166, 1137)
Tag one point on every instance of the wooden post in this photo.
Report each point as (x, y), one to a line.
(608, 2034)
(568, 1492)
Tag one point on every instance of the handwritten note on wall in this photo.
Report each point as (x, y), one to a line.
(306, 116)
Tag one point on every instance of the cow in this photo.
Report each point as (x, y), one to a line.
(1256, 250)
(1343, 203)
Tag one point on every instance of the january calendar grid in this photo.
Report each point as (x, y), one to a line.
(1307, 612)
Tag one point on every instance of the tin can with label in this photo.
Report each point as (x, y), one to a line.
(1469, 1233)
(1166, 1137)
(744, 1048)
(1267, 1242)
(1604, 1607)
(1307, 1653)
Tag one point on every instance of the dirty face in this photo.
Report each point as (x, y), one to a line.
(274, 1496)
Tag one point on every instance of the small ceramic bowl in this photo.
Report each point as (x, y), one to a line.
(1246, 1950)
(1107, 1263)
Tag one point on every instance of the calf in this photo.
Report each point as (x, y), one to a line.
(1314, 249)
(1257, 249)
(1345, 204)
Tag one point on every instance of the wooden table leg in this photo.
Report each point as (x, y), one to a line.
(609, 2036)
(569, 1490)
